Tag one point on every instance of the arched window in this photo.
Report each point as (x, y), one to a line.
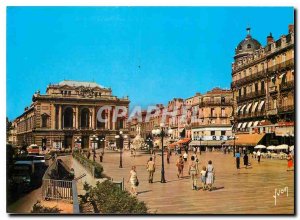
(68, 117)
(85, 118)
(240, 47)
(248, 46)
(99, 123)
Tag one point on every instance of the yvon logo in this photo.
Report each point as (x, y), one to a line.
(279, 192)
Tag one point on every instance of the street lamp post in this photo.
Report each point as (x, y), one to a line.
(102, 141)
(120, 137)
(162, 132)
(149, 141)
(78, 141)
(234, 150)
(94, 140)
(200, 139)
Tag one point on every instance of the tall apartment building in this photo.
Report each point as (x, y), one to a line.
(212, 113)
(263, 88)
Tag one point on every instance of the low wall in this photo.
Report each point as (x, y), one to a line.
(79, 171)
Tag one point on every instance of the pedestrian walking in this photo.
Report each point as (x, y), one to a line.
(193, 173)
(88, 154)
(203, 174)
(168, 156)
(258, 156)
(210, 175)
(153, 156)
(150, 169)
(290, 162)
(246, 161)
(237, 156)
(134, 152)
(185, 156)
(134, 182)
(180, 166)
(101, 156)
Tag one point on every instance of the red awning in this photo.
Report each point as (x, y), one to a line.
(184, 141)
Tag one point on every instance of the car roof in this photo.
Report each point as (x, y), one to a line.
(23, 162)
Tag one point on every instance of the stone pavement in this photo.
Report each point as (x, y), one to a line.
(244, 191)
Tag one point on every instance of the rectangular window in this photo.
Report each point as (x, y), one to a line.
(256, 87)
(212, 112)
(213, 133)
(262, 86)
(223, 132)
(223, 112)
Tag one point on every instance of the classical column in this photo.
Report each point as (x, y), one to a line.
(59, 117)
(90, 119)
(53, 116)
(113, 117)
(74, 117)
(94, 119)
(108, 119)
(77, 117)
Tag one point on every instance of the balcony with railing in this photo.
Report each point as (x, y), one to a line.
(251, 115)
(248, 79)
(251, 95)
(286, 109)
(287, 85)
(215, 103)
(272, 111)
(281, 66)
(273, 89)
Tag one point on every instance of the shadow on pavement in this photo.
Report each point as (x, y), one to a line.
(145, 191)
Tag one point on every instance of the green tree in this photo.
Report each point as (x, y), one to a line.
(38, 208)
(107, 198)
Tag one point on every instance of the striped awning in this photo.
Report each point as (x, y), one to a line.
(244, 124)
(254, 106)
(248, 108)
(249, 124)
(281, 75)
(261, 105)
(242, 109)
(239, 125)
(255, 123)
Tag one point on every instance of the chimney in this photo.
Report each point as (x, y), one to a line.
(270, 39)
(291, 28)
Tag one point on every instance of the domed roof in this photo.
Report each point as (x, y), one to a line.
(248, 45)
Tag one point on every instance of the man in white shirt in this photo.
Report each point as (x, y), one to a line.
(258, 156)
(185, 156)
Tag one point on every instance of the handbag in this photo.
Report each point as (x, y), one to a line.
(137, 182)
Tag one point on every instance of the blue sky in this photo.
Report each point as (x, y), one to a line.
(180, 50)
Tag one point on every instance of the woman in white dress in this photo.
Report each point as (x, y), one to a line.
(133, 180)
(210, 175)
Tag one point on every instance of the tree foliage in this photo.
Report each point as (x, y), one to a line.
(39, 208)
(107, 198)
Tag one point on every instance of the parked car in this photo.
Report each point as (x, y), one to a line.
(33, 149)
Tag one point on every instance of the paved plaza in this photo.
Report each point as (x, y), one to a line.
(244, 191)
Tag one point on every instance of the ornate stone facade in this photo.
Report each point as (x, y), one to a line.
(67, 113)
(263, 85)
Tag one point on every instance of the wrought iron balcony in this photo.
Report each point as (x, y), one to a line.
(273, 89)
(287, 85)
(215, 103)
(272, 111)
(248, 79)
(286, 109)
(251, 95)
